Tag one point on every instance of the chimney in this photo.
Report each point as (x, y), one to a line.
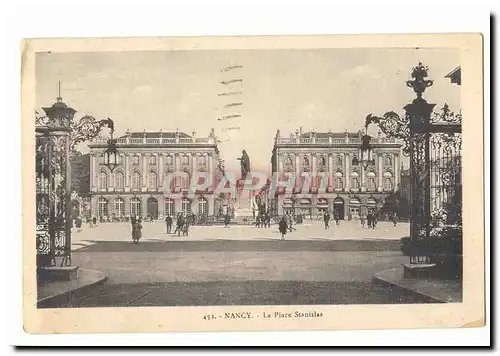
(300, 131)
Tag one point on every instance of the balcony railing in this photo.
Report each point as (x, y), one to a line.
(155, 141)
(329, 141)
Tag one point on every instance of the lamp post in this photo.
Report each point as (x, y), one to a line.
(57, 134)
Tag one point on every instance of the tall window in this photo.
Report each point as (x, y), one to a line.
(338, 161)
(103, 181)
(135, 160)
(355, 180)
(119, 180)
(186, 206)
(101, 158)
(371, 181)
(102, 207)
(136, 180)
(388, 161)
(355, 161)
(118, 159)
(152, 160)
(339, 184)
(169, 207)
(185, 180)
(135, 207)
(202, 207)
(152, 181)
(119, 207)
(387, 182)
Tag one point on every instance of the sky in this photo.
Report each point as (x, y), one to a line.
(321, 89)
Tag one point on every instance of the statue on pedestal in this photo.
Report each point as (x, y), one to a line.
(245, 164)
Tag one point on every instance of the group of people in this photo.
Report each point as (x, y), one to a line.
(326, 219)
(286, 225)
(182, 225)
(371, 219)
(263, 220)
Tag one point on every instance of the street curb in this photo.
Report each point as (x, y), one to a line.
(377, 278)
(57, 299)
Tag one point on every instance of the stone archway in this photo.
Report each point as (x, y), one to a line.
(339, 207)
(152, 208)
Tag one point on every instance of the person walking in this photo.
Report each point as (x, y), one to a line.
(283, 227)
(362, 218)
(94, 221)
(168, 222)
(395, 219)
(137, 231)
(326, 219)
(268, 219)
(180, 224)
(227, 219)
(78, 224)
(374, 220)
(369, 219)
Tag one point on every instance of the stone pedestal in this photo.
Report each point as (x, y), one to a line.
(244, 202)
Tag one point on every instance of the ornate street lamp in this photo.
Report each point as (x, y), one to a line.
(57, 134)
(365, 151)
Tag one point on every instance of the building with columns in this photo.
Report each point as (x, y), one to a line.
(332, 158)
(137, 186)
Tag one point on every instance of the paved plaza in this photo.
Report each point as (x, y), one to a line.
(240, 265)
(308, 231)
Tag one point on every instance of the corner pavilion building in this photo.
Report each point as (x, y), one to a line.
(136, 187)
(351, 188)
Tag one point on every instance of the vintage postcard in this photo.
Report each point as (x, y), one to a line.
(253, 183)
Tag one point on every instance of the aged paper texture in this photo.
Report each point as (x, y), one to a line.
(252, 183)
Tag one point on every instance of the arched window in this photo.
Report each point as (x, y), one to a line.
(306, 161)
(355, 180)
(339, 182)
(355, 161)
(118, 159)
(338, 161)
(119, 180)
(135, 207)
(388, 161)
(186, 206)
(103, 181)
(152, 160)
(102, 207)
(202, 207)
(152, 181)
(322, 161)
(136, 180)
(135, 160)
(169, 207)
(388, 181)
(119, 207)
(371, 181)
(101, 158)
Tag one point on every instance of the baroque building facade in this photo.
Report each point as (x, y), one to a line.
(331, 160)
(138, 185)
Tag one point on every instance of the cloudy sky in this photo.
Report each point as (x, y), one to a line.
(281, 89)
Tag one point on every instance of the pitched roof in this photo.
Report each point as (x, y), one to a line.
(167, 134)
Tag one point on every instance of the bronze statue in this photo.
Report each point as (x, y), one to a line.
(245, 164)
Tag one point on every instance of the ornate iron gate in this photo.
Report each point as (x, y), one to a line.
(433, 142)
(53, 191)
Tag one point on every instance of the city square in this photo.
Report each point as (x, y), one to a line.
(394, 213)
(240, 265)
